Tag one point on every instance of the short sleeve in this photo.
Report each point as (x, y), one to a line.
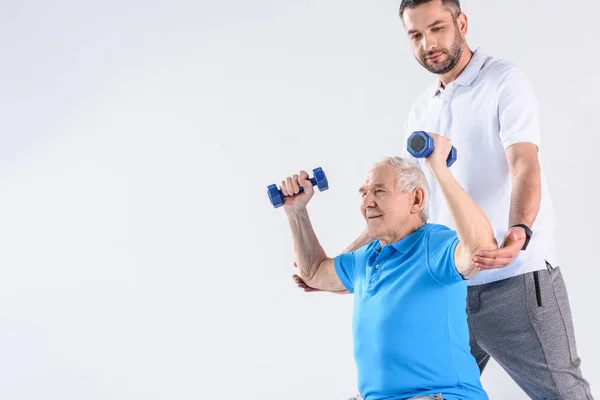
(441, 245)
(517, 110)
(345, 268)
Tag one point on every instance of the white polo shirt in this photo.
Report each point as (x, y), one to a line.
(489, 107)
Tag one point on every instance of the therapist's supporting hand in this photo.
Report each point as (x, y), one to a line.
(503, 256)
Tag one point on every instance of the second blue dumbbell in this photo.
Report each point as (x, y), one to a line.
(319, 179)
(420, 145)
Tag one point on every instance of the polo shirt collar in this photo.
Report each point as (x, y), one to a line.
(469, 74)
(404, 244)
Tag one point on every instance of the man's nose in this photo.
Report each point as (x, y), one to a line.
(368, 200)
(428, 42)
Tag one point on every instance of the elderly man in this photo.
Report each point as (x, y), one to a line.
(410, 333)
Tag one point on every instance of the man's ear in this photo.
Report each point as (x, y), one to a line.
(417, 200)
(463, 24)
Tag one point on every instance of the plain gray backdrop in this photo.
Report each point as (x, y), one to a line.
(140, 256)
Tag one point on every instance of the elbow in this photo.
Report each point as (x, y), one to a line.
(467, 269)
(310, 273)
(485, 240)
(489, 243)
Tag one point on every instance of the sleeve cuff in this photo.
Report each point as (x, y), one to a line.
(506, 143)
(342, 277)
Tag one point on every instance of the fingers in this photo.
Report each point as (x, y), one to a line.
(441, 148)
(295, 184)
(439, 138)
(491, 258)
(443, 143)
(509, 249)
(491, 263)
(303, 178)
(291, 185)
(300, 283)
(486, 259)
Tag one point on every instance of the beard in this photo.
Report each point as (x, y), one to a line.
(453, 54)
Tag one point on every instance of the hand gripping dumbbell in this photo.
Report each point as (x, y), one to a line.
(420, 145)
(319, 179)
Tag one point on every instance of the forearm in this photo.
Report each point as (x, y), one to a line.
(471, 224)
(360, 241)
(526, 195)
(308, 252)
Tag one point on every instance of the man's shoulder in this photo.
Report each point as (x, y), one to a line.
(438, 232)
(497, 70)
(434, 228)
(430, 229)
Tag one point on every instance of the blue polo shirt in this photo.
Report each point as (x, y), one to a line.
(409, 322)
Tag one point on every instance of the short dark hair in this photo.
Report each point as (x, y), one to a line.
(452, 5)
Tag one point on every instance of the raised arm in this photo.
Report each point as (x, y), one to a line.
(474, 230)
(316, 269)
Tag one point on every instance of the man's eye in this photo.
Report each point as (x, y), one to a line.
(437, 29)
(379, 190)
(416, 37)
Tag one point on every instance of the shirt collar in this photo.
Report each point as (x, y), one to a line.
(403, 245)
(470, 72)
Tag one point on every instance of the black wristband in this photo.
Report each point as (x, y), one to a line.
(528, 234)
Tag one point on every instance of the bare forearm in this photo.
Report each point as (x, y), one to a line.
(526, 195)
(308, 252)
(360, 241)
(472, 225)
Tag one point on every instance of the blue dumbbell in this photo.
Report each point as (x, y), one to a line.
(420, 145)
(319, 179)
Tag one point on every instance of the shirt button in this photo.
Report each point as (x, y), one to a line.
(377, 266)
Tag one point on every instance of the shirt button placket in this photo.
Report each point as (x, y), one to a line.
(446, 117)
(375, 271)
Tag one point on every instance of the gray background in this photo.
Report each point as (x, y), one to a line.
(140, 256)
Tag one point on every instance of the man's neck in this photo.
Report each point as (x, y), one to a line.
(397, 236)
(458, 69)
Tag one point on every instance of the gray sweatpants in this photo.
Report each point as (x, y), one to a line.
(524, 323)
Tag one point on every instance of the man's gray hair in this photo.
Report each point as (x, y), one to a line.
(409, 176)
